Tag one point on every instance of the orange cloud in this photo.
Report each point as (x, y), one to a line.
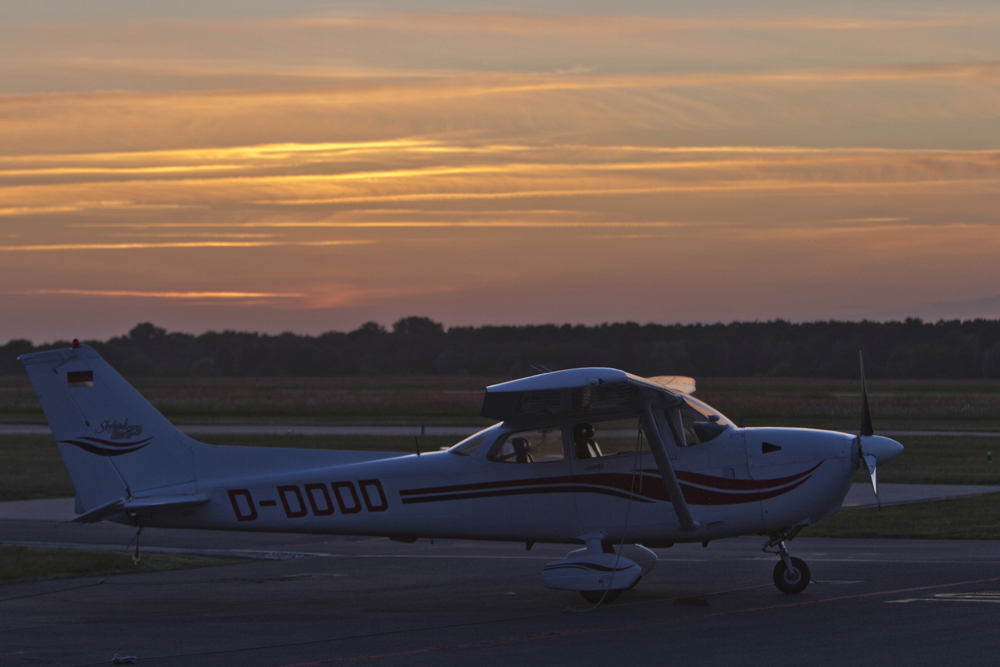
(484, 224)
(633, 25)
(452, 173)
(178, 244)
(166, 295)
(498, 106)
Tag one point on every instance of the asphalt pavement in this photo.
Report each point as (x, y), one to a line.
(299, 600)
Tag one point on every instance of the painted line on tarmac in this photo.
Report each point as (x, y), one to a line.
(254, 554)
(629, 626)
(274, 554)
(260, 554)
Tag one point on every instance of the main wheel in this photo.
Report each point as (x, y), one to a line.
(596, 597)
(791, 581)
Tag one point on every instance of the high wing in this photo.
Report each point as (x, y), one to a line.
(580, 391)
(675, 383)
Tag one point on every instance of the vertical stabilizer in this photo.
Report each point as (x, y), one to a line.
(114, 443)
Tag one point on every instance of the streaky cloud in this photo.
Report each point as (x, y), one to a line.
(174, 245)
(162, 295)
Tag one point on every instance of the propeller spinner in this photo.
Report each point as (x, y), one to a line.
(873, 449)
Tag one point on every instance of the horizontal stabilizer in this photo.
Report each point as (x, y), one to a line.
(125, 505)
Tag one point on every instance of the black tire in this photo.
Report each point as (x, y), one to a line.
(598, 597)
(791, 582)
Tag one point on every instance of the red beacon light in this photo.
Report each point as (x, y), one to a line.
(76, 343)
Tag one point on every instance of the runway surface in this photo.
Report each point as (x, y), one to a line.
(323, 600)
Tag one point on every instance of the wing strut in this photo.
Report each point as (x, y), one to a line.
(688, 524)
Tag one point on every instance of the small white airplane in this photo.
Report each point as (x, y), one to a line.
(593, 457)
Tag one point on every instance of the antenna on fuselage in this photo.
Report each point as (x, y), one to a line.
(416, 443)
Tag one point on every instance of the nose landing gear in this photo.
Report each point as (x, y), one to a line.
(791, 575)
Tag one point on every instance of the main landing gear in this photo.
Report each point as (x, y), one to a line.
(791, 575)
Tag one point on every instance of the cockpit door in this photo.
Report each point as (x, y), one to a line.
(612, 461)
(525, 485)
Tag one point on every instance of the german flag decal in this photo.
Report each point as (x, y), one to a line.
(80, 378)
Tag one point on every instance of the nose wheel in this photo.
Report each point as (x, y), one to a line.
(791, 575)
(792, 579)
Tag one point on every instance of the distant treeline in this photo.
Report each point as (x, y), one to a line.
(420, 346)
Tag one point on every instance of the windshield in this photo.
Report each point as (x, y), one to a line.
(469, 446)
(708, 413)
(700, 422)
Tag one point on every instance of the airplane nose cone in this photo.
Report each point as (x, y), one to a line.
(883, 449)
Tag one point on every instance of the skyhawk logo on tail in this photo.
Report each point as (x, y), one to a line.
(106, 447)
(119, 430)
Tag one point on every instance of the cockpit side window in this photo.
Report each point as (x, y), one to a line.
(592, 440)
(542, 445)
(699, 422)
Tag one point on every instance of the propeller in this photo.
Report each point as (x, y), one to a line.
(871, 448)
(866, 415)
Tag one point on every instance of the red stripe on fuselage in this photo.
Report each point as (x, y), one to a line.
(737, 484)
(642, 486)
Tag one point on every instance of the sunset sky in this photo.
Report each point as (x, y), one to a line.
(309, 166)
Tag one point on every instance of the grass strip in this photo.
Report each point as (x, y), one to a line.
(31, 468)
(942, 460)
(34, 562)
(973, 518)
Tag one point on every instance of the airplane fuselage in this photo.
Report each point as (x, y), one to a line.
(746, 481)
